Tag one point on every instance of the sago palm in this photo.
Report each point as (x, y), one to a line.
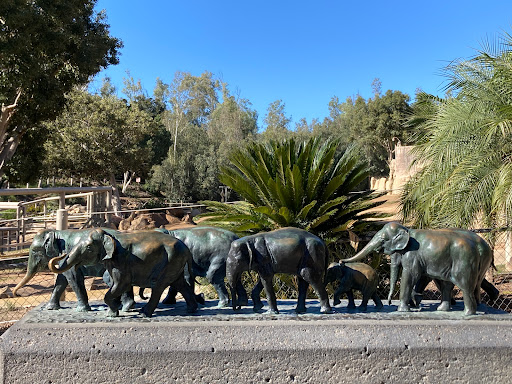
(466, 150)
(309, 185)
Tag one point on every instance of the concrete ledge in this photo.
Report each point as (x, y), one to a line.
(246, 348)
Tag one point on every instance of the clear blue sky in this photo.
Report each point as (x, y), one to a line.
(302, 52)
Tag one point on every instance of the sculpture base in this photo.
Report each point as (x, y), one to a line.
(217, 345)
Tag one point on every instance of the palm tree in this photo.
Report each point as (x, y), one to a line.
(309, 185)
(466, 146)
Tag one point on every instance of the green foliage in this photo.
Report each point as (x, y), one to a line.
(308, 185)
(277, 122)
(465, 146)
(203, 132)
(97, 136)
(48, 47)
(374, 125)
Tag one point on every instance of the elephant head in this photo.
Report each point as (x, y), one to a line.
(335, 271)
(45, 245)
(390, 240)
(97, 246)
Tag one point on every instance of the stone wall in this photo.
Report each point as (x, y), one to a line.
(401, 170)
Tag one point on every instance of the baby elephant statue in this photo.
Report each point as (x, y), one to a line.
(147, 259)
(352, 276)
(450, 256)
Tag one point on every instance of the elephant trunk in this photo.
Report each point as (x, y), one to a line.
(367, 250)
(53, 264)
(33, 266)
(395, 266)
(29, 275)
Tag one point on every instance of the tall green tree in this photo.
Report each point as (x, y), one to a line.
(47, 48)
(309, 185)
(277, 122)
(374, 125)
(232, 122)
(97, 137)
(466, 145)
(157, 137)
(188, 172)
(192, 99)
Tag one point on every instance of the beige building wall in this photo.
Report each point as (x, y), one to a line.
(401, 170)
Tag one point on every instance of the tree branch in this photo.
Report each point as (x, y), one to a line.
(7, 113)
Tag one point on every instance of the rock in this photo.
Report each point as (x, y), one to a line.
(5, 292)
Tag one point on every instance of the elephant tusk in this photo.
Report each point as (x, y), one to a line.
(53, 264)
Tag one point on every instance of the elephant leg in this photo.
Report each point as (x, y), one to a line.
(187, 292)
(242, 294)
(59, 288)
(267, 281)
(337, 295)
(315, 279)
(490, 289)
(217, 280)
(303, 291)
(419, 287)
(376, 299)
(255, 296)
(405, 291)
(351, 302)
(470, 302)
(156, 292)
(170, 299)
(364, 303)
(128, 300)
(112, 297)
(446, 288)
(75, 278)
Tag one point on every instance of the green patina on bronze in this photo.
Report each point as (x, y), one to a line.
(450, 256)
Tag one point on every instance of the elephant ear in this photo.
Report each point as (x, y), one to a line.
(50, 245)
(400, 240)
(109, 245)
(260, 245)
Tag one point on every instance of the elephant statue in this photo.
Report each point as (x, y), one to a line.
(450, 256)
(287, 250)
(50, 243)
(147, 259)
(352, 276)
(209, 247)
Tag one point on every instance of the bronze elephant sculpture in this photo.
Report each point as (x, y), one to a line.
(49, 243)
(354, 276)
(450, 256)
(287, 250)
(147, 259)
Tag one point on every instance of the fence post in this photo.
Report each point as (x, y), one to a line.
(508, 250)
(108, 203)
(62, 213)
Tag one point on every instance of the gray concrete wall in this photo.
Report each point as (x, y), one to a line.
(217, 345)
(276, 351)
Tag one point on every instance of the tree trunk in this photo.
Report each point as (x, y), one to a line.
(8, 142)
(128, 176)
(116, 200)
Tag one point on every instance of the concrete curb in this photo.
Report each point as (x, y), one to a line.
(339, 349)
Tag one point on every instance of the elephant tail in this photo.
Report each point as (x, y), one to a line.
(141, 293)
